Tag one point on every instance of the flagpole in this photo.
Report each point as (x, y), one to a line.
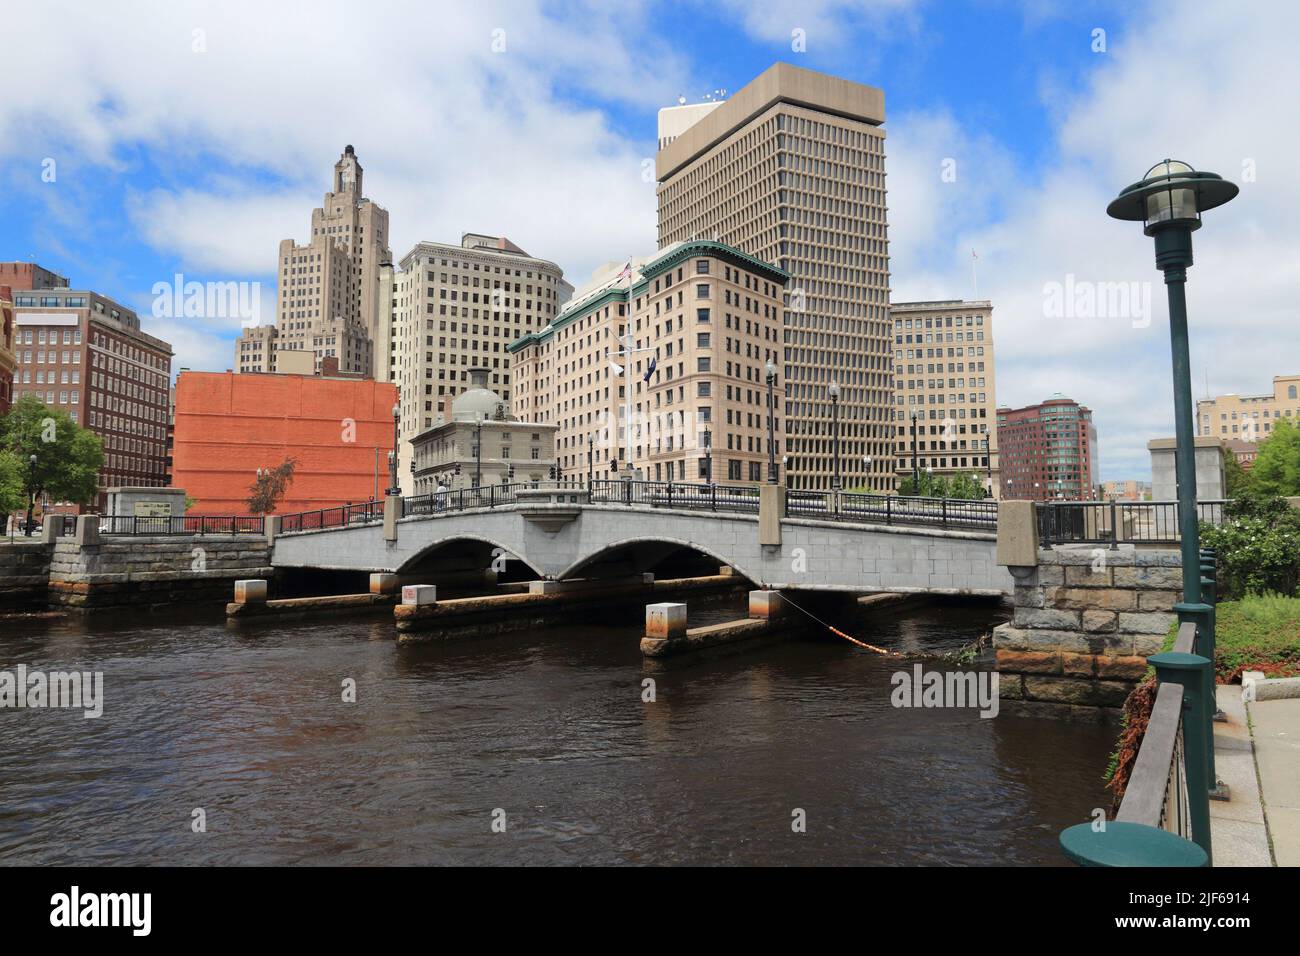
(974, 277)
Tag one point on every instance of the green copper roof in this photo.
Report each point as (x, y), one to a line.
(657, 266)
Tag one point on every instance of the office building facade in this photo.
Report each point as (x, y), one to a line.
(1048, 451)
(791, 170)
(705, 320)
(1249, 418)
(945, 395)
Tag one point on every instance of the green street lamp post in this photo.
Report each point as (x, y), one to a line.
(31, 494)
(1169, 201)
(835, 432)
(770, 371)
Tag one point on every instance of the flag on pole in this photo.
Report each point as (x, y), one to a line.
(626, 273)
(618, 369)
(650, 369)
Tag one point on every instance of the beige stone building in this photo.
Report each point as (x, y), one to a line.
(328, 299)
(1250, 418)
(708, 317)
(481, 444)
(943, 376)
(454, 308)
(791, 170)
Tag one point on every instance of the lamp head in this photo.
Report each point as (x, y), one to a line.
(1171, 194)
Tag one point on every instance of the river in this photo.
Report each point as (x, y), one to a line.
(545, 732)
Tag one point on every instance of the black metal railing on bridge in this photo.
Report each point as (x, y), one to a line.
(341, 516)
(181, 524)
(1116, 522)
(958, 513)
(461, 499)
(679, 495)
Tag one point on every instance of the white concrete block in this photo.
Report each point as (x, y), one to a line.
(418, 595)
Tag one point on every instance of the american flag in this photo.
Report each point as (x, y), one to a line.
(627, 271)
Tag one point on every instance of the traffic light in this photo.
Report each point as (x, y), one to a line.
(510, 472)
(613, 466)
(551, 471)
(457, 469)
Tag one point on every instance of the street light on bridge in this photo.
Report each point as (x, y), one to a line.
(770, 375)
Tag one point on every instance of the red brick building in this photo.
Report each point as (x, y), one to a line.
(228, 425)
(1048, 451)
(85, 354)
(8, 361)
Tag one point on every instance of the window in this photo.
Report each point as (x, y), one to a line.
(702, 291)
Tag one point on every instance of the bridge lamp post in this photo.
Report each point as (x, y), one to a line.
(394, 488)
(31, 494)
(988, 462)
(478, 453)
(770, 371)
(1169, 201)
(916, 471)
(835, 433)
(866, 466)
(591, 453)
(708, 456)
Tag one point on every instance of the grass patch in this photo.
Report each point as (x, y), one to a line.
(1261, 632)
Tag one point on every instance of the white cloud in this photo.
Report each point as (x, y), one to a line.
(1197, 88)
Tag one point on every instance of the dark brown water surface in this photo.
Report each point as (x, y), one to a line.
(548, 727)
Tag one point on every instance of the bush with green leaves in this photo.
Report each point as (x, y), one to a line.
(1257, 546)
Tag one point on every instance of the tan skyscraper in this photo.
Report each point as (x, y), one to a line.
(943, 378)
(454, 308)
(791, 170)
(329, 300)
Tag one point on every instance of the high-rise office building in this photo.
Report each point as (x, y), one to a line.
(454, 308)
(791, 170)
(705, 321)
(1048, 451)
(328, 300)
(945, 401)
(1250, 418)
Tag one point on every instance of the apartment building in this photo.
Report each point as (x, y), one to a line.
(1048, 451)
(1249, 418)
(791, 170)
(26, 276)
(704, 320)
(328, 295)
(86, 354)
(454, 308)
(945, 396)
(8, 361)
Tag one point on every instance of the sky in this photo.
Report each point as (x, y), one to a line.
(142, 141)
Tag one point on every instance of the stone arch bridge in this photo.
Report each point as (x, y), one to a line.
(562, 536)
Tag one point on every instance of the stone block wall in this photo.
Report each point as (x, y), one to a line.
(1085, 620)
(24, 574)
(152, 570)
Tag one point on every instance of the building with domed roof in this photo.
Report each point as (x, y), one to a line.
(477, 442)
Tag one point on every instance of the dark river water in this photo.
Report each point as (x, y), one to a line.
(546, 730)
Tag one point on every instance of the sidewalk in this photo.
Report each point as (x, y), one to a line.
(1238, 825)
(1275, 726)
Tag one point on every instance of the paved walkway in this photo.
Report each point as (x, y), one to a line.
(1275, 726)
(1238, 825)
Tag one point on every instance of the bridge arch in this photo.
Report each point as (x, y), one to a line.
(483, 548)
(630, 544)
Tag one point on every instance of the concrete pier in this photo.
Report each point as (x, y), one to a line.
(667, 633)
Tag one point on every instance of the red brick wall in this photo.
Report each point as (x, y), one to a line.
(228, 425)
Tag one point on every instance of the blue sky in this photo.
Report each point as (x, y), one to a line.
(201, 141)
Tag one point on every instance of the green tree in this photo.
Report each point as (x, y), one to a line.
(1257, 546)
(1276, 470)
(12, 497)
(270, 486)
(1236, 480)
(68, 457)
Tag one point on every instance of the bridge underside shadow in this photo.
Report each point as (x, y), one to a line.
(664, 559)
(468, 561)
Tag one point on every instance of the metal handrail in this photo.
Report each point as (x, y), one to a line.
(181, 524)
(1116, 522)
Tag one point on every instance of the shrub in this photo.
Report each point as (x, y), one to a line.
(1258, 547)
